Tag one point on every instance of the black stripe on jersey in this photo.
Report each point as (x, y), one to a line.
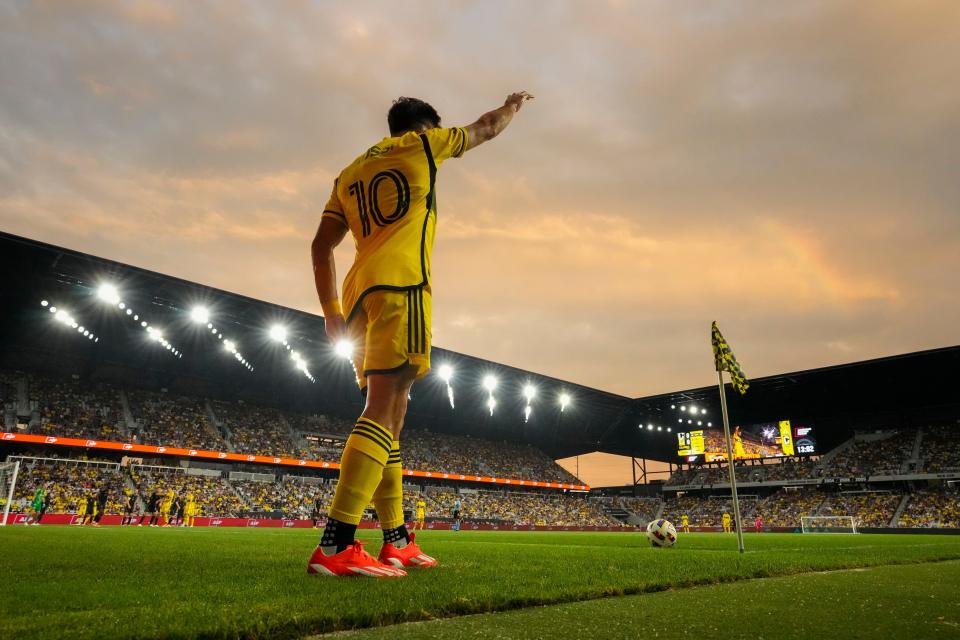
(416, 321)
(336, 213)
(463, 143)
(371, 438)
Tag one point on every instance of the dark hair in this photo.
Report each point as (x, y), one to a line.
(407, 114)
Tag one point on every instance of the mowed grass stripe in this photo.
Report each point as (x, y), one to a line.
(914, 601)
(141, 582)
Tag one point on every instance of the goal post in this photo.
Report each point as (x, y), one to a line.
(8, 481)
(828, 524)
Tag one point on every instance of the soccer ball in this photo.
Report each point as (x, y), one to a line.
(662, 533)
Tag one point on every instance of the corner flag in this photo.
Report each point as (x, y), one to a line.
(724, 360)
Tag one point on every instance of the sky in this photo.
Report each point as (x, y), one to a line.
(787, 169)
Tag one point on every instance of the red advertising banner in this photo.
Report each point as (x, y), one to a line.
(272, 460)
(264, 523)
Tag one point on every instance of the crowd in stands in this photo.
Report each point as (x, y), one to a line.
(68, 483)
(520, 508)
(931, 509)
(447, 453)
(69, 409)
(705, 512)
(785, 507)
(940, 449)
(258, 430)
(294, 499)
(785, 469)
(873, 457)
(213, 494)
(175, 421)
(868, 509)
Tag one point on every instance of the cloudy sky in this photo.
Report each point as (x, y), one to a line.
(788, 169)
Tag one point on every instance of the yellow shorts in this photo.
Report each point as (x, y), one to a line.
(391, 331)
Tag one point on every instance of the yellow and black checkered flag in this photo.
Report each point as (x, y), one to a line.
(724, 360)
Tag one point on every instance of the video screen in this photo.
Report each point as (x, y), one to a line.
(765, 440)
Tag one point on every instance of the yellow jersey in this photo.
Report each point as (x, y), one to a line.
(684, 520)
(726, 517)
(421, 507)
(387, 198)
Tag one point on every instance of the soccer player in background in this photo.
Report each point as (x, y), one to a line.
(81, 509)
(685, 523)
(153, 503)
(102, 496)
(421, 513)
(128, 509)
(91, 509)
(189, 511)
(386, 199)
(457, 508)
(165, 507)
(726, 522)
(758, 523)
(37, 505)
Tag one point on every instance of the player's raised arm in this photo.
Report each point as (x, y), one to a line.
(329, 234)
(489, 125)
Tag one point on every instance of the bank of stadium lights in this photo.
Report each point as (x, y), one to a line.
(111, 295)
(529, 392)
(278, 333)
(201, 315)
(445, 372)
(692, 409)
(66, 319)
(490, 384)
(564, 401)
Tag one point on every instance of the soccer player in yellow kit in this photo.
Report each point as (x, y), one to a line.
(387, 200)
(685, 523)
(726, 522)
(421, 519)
(189, 511)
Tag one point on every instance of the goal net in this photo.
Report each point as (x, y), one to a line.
(8, 480)
(828, 524)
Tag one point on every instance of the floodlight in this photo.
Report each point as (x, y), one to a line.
(683, 408)
(529, 391)
(53, 309)
(669, 429)
(278, 333)
(200, 315)
(295, 356)
(44, 303)
(699, 423)
(689, 421)
(703, 411)
(445, 372)
(693, 409)
(659, 428)
(489, 383)
(491, 404)
(673, 406)
(143, 323)
(108, 293)
(158, 336)
(680, 420)
(344, 349)
(649, 427)
(526, 413)
(709, 424)
(230, 346)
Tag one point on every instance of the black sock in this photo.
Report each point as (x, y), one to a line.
(394, 536)
(337, 534)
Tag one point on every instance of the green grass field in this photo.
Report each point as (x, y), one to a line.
(250, 583)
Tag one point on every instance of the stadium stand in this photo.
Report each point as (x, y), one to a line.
(67, 408)
(257, 430)
(939, 449)
(178, 421)
(873, 456)
(932, 509)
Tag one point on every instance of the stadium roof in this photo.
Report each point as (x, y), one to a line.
(834, 400)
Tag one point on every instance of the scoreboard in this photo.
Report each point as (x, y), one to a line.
(766, 440)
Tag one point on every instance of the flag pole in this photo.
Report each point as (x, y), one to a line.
(733, 475)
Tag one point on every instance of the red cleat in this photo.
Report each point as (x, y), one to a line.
(352, 561)
(409, 556)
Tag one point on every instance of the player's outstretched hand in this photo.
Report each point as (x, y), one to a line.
(516, 100)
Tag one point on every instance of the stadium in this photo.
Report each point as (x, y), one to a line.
(286, 353)
(253, 433)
